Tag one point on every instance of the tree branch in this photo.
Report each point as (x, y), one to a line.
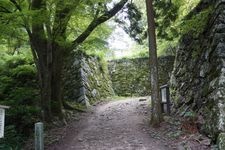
(96, 22)
(26, 26)
(62, 17)
(37, 27)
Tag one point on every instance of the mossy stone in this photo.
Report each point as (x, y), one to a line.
(221, 141)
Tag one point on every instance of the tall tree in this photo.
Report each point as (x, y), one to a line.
(46, 23)
(156, 116)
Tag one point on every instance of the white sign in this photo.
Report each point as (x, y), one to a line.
(163, 90)
(2, 122)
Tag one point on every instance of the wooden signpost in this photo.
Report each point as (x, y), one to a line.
(2, 119)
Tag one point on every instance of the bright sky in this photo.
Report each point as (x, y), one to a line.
(119, 40)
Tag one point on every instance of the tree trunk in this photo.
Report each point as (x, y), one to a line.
(44, 73)
(56, 103)
(49, 54)
(156, 116)
(49, 71)
(45, 94)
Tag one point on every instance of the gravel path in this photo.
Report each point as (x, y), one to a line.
(117, 125)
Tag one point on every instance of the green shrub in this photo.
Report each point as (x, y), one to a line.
(14, 61)
(24, 72)
(6, 82)
(12, 140)
(19, 90)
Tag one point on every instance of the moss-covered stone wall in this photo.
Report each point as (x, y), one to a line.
(198, 79)
(130, 77)
(86, 79)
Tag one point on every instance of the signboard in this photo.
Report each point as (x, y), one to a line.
(2, 122)
(165, 95)
(164, 98)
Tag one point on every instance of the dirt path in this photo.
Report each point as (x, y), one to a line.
(118, 125)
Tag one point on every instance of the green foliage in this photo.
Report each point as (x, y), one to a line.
(18, 80)
(82, 13)
(185, 7)
(96, 43)
(197, 23)
(142, 54)
(19, 90)
(12, 61)
(12, 139)
(103, 65)
(170, 31)
(166, 47)
(24, 72)
(172, 22)
(139, 52)
(166, 14)
(132, 22)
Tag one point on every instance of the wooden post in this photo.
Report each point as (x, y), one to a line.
(39, 136)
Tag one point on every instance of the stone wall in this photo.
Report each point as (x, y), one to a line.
(87, 79)
(198, 79)
(130, 77)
